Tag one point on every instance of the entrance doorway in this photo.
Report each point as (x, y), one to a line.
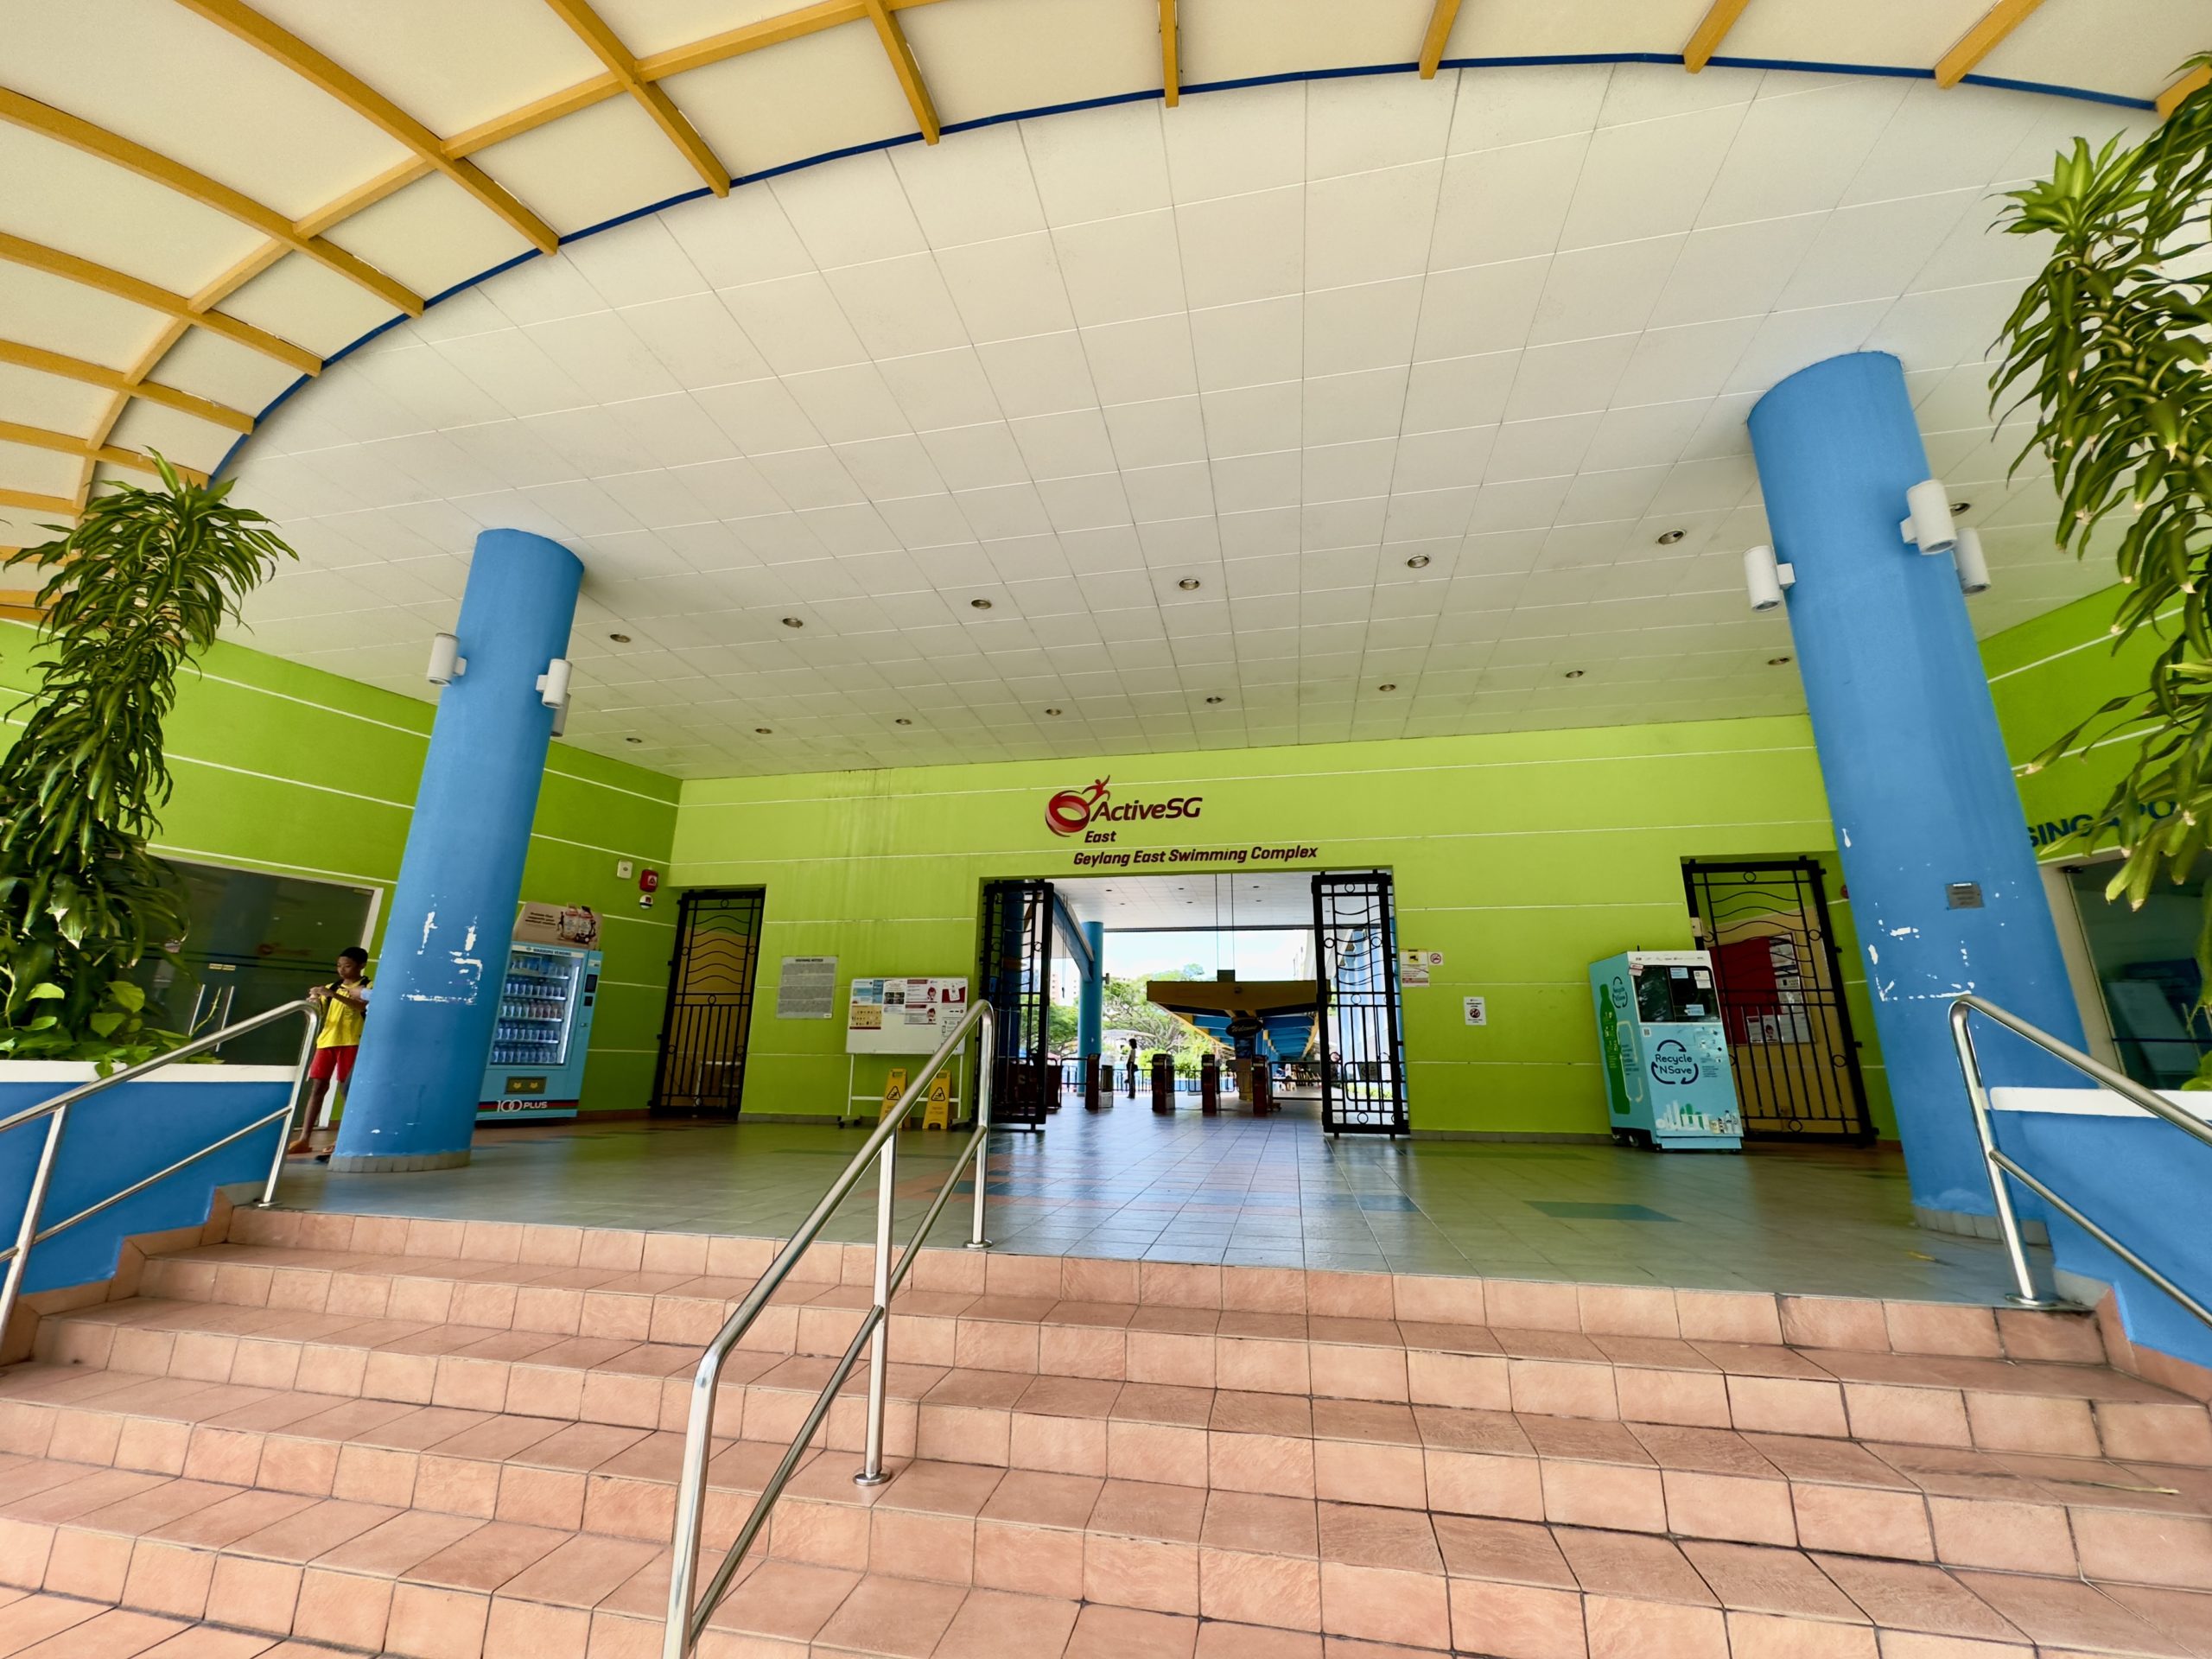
(709, 1019)
(1780, 989)
(1335, 1048)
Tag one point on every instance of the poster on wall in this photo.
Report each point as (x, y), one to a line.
(1478, 1010)
(571, 924)
(808, 989)
(905, 1015)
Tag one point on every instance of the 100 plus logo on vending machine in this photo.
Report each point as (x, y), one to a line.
(1080, 811)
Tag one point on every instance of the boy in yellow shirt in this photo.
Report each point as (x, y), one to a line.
(345, 1007)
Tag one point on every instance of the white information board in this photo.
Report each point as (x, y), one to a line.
(902, 1016)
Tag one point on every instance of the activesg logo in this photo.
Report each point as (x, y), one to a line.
(1083, 811)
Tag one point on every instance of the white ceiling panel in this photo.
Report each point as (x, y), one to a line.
(1286, 342)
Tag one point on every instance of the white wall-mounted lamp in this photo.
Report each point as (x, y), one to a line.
(1927, 518)
(1974, 564)
(553, 683)
(446, 664)
(1764, 577)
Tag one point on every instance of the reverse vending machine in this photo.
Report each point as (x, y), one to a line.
(536, 1069)
(1668, 1084)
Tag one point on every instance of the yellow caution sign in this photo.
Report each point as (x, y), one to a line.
(937, 1114)
(895, 1086)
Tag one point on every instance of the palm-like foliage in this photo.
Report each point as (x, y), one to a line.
(2109, 346)
(142, 583)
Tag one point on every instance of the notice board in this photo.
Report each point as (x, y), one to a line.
(903, 1015)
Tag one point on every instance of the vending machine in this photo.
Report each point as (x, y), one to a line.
(1665, 1051)
(536, 1068)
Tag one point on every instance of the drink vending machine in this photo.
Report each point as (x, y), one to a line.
(1668, 1083)
(536, 1068)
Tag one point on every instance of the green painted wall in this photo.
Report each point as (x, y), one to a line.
(285, 768)
(1522, 857)
(2047, 676)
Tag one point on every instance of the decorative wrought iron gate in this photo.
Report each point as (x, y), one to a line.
(1016, 975)
(1355, 964)
(1780, 990)
(700, 1071)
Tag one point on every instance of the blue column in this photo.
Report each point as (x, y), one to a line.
(413, 1101)
(1917, 775)
(1091, 1012)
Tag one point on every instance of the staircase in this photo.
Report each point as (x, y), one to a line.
(454, 1441)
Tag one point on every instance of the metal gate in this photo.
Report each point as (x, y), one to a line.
(1781, 996)
(700, 1071)
(1355, 965)
(1016, 975)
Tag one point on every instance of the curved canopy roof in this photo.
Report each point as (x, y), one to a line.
(1486, 286)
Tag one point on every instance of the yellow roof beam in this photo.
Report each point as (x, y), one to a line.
(1439, 30)
(30, 503)
(751, 37)
(97, 374)
(68, 266)
(64, 443)
(591, 28)
(1705, 40)
(2170, 100)
(373, 106)
(1171, 55)
(30, 113)
(903, 65)
(20, 604)
(1981, 40)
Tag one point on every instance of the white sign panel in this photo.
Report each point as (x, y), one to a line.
(902, 1016)
(1478, 1008)
(808, 989)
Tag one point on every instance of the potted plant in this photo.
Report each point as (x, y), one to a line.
(130, 595)
(2108, 347)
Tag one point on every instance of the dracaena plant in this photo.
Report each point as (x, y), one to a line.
(2107, 346)
(139, 585)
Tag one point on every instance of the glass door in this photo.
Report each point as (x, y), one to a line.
(2145, 965)
(253, 941)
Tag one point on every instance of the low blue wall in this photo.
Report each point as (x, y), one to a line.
(2146, 1183)
(123, 1135)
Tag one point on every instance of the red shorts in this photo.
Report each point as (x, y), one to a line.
(334, 1063)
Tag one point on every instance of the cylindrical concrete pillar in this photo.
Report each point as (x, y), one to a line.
(413, 1101)
(1942, 881)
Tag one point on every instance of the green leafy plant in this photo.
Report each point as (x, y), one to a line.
(2108, 344)
(142, 583)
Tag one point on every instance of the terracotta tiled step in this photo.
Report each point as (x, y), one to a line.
(1016, 1556)
(618, 1262)
(2008, 1511)
(49, 1626)
(634, 1369)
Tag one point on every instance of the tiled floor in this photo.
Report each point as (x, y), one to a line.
(1271, 1193)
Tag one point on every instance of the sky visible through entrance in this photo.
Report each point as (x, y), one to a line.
(1263, 955)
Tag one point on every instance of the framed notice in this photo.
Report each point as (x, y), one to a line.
(808, 989)
(906, 1015)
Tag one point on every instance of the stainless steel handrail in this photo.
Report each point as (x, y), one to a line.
(30, 1234)
(686, 1622)
(2001, 1163)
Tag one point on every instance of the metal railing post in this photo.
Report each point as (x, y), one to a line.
(988, 1029)
(878, 1353)
(292, 1110)
(27, 1235)
(2008, 1223)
